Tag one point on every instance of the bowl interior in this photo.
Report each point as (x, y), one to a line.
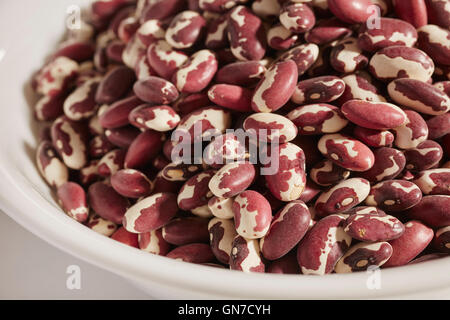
(24, 44)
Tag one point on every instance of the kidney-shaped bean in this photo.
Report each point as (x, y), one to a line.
(289, 226)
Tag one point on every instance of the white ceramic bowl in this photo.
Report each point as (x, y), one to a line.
(29, 30)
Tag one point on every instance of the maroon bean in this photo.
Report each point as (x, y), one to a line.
(327, 31)
(353, 11)
(161, 9)
(187, 230)
(389, 163)
(246, 34)
(116, 115)
(155, 90)
(189, 103)
(288, 227)
(374, 115)
(286, 265)
(106, 202)
(413, 241)
(242, 73)
(394, 195)
(432, 210)
(414, 11)
(342, 197)
(231, 97)
(438, 126)
(373, 227)
(275, 88)
(346, 152)
(193, 253)
(323, 245)
(131, 183)
(122, 137)
(363, 255)
(115, 85)
(125, 237)
(143, 149)
(72, 199)
(114, 51)
(232, 179)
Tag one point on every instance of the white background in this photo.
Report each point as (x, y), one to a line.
(32, 269)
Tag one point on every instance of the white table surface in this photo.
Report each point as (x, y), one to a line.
(30, 268)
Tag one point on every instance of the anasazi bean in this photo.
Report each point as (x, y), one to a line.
(262, 136)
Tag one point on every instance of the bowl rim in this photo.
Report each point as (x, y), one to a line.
(26, 201)
(26, 205)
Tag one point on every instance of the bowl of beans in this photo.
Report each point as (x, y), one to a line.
(263, 149)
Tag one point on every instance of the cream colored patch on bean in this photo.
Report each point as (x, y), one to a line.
(387, 67)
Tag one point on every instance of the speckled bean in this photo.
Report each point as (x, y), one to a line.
(342, 197)
(346, 152)
(318, 90)
(288, 227)
(364, 255)
(323, 246)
